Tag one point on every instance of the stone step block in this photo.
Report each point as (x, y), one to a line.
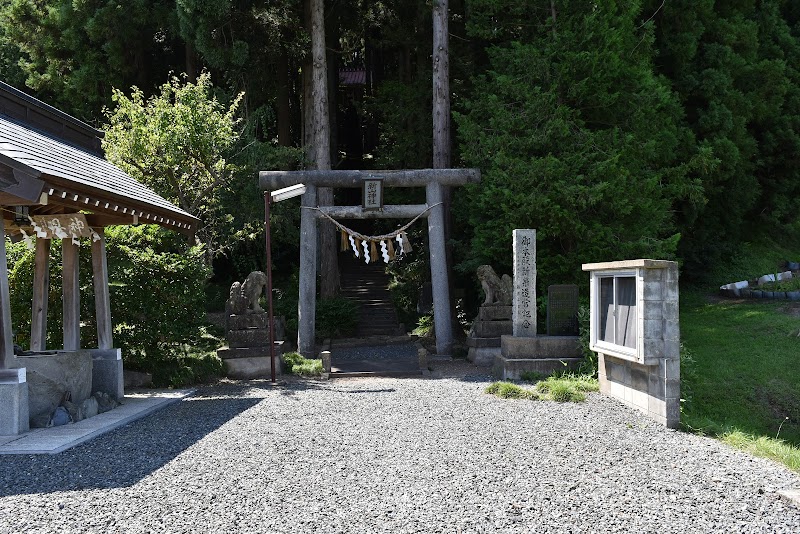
(494, 313)
(491, 328)
(512, 369)
(540, 347)
(483, 342)
(230, 353)
(248, 338)
(248, 368)
(483, 356)
(246, 321)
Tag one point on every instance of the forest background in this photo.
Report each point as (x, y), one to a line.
(647, 128)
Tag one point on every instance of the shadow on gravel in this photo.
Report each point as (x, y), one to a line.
(126, 455)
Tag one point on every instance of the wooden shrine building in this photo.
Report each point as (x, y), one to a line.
(55, 184)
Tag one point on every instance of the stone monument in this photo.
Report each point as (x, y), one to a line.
(494, 317)
(525, 350)
(247, 331)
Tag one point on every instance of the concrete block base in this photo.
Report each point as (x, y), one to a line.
(107, 372)
(483, 356)
(512, 369)
(554, 347)
(247, 368)
(483, 342)
(654, 390)
(251, 362)
(14, 418)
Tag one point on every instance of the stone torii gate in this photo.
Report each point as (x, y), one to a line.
(432, 179)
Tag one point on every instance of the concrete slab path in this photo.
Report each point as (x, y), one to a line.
(134, 406)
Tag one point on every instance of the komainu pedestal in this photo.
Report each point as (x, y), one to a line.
(494, 317)
(483, 341)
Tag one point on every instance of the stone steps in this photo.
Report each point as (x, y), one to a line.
(368, 285)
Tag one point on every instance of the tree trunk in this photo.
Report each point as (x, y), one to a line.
(329, 275)
(441, 134)
(308, 101)
(284, 116)
(191, 62)
(441, 87)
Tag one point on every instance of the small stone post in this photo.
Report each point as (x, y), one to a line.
(524, 303)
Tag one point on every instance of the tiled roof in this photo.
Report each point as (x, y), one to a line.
(52, 157)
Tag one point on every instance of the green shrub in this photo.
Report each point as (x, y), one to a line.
(424, 326)
(336, 317)
(589, 364)
(294, 363)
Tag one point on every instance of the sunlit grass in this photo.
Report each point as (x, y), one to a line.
(564, 388)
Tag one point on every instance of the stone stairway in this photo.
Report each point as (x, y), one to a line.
(368, 284)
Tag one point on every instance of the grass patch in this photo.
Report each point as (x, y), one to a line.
(567, 388)
(564, 388)
(509, 390)
(746, 366)
(766, 447)
(296, 364)
(740, 382)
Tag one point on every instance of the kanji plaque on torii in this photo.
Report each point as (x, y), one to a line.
(372, 194)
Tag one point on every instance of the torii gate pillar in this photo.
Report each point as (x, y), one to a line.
(442, 320)
(431, 179)
(307, 301)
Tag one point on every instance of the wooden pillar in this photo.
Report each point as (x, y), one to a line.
(6, 343)
(102, 299)
(441, 292)
(71, 296)
(41, 291)
(307, 303)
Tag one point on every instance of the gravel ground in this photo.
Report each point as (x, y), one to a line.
(394, 455)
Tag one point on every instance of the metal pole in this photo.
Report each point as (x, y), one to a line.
(267, 202)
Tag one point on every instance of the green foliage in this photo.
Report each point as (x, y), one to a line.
(782, 285)
(576, 137)
(424, 326)
(336, 317)
(186, 369)
(176, 142)
(72, 53)
(734, 66)
(567, 387)
(296, 364)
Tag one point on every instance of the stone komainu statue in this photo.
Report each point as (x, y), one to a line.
(499, 291)
(244, 297)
